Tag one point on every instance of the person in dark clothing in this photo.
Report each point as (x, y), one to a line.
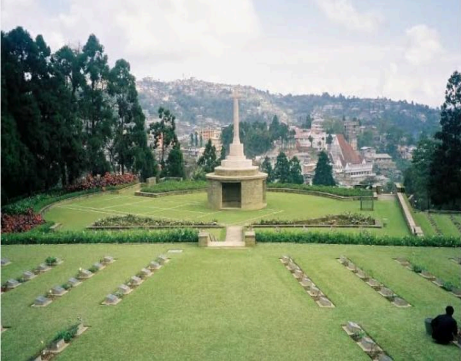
(444, 327)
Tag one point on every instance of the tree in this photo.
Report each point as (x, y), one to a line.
(174, 165)
(417, 175)
(266, 167)
(164, 132)
(296, 175)
(282, 169)
(196, 140)
(323, 171)
(201, 140)
(308, 123)
(329, 139)
(311, 138)
(94, 105)
(208, 160)
(223, 153)
(191, 142)
(445, 170)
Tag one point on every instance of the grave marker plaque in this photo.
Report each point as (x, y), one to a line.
(28, 275)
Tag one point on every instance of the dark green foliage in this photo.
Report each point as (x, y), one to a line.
(223, 153)
(174, 165)
(266, 167)
(417, 175)
(308, 122)
(323, 171)
(282, 169)
(63, 112)
(208, 160)
(50, 261)
(350, 238)
(169, 236)
(171, 186)
(164, 132)
(445, 170)
(448, 286)
(129, 148)
(255, 137)
(296, 176)
(343, 192)
(417, 269)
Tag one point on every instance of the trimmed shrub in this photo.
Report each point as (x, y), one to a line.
(171, 186)
(108, 180)
(297, 236)
(343, 192)
(166, 236)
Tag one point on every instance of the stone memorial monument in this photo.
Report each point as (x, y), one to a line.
(236, 183)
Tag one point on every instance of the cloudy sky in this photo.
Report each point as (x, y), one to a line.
(400, 49)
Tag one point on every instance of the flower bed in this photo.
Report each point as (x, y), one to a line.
(345, 219)
(21, 222)
(131, 221)
(90, 182)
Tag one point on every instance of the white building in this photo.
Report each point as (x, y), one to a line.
(349, 166)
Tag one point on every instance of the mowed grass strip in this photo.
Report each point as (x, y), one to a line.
(81, 213)
(229, 304)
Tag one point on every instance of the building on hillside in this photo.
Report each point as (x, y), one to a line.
(212, 134)
(350, 132)
(303, 139)
(350, 168)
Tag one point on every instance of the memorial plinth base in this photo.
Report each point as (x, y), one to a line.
(237, 188)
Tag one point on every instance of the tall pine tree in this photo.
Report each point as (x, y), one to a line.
(323, 172)
(282, 169)
(445, 170)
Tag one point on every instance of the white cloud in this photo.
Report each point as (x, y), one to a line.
(141, 30)
(343, 12)
(423, 45)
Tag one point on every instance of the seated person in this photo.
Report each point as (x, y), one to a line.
(444, 327)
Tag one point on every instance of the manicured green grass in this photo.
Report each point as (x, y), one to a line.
(209, 304)
(445, 224)
(80, 213)
(422, 220)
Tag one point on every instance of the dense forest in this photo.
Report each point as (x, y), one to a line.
(65, 114)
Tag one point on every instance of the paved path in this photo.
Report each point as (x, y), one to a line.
(234, 238)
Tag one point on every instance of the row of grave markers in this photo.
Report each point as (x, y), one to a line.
(306, 282)
(126, 288)
(365, 342)
(429, 276)
(386, 292)
(83, 274)
(12, 283)
(59, 344)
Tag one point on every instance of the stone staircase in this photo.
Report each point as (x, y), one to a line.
(234, 239)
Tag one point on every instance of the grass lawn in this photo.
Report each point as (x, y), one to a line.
(446, 225)
(80, 213)
(209, 304)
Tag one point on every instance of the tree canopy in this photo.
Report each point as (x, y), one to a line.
(323, 171)
(65, 114)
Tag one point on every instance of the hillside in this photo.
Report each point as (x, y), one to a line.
(202, 103)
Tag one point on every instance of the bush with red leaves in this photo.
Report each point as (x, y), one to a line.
(21, 222)
(108, 180)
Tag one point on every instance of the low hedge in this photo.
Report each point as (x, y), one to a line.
(362, 238)
(170, 186)
(169, 236)
(343, 219)
(42, 200)
(343, 192)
